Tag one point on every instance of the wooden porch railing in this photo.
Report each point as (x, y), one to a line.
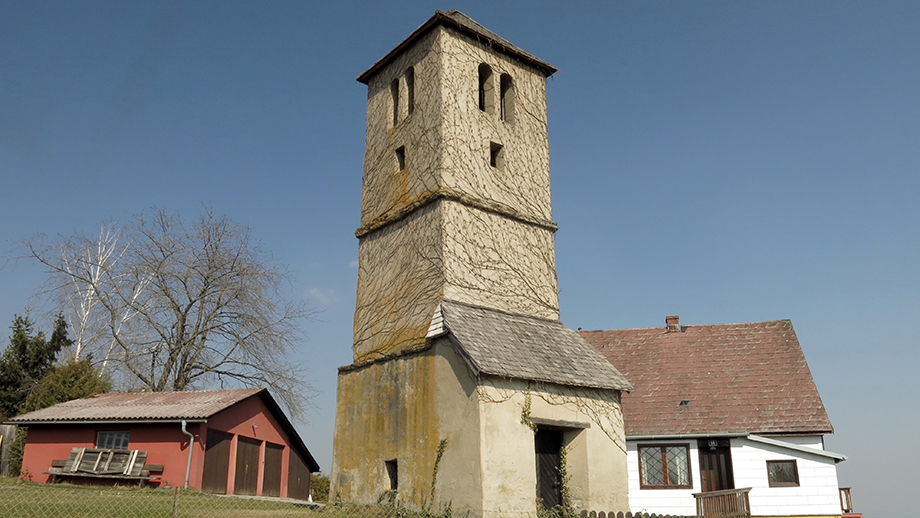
(846, 502)
(728, 503)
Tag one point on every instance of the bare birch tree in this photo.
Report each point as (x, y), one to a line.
(79, 278)
(173, 306)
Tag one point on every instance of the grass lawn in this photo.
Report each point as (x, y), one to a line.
(25, 499)
(21, 499)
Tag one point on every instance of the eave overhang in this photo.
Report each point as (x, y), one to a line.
(471, 29)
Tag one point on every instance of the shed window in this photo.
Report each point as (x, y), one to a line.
(486, 90)
(782, 473)
(112, 440)
(664, 466)
(507, 98)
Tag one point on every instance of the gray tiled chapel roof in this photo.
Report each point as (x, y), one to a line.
(463, 23)
(523, 347)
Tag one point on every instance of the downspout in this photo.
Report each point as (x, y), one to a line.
(191, 444)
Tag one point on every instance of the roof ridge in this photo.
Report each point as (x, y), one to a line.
(685, 325)
(195, 391)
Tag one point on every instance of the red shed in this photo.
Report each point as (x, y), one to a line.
(242, 442)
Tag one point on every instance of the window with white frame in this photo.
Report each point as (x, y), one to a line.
(112, 440)
(783, 473)
(664, 466)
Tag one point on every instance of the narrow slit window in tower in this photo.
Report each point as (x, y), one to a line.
(410, 89)
(486, 94)
(496, 156)
(401, 158)
(507, 98)
(394, 90)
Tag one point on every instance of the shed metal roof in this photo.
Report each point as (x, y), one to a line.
(136, 406)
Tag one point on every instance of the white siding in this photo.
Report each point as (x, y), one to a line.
(662, 501)
(817, 493)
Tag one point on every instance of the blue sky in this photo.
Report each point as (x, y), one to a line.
(724, 161)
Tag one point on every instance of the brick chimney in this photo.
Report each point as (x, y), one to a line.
(672, 323)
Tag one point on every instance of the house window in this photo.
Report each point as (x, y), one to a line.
(664, 466)
(394, 91)
(507, 98)
(782, 473)
(112, 440)
(410, 89)
(486, 91)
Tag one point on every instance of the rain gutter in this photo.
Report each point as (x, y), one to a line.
(838, 457)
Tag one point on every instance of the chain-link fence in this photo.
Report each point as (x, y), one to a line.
(28, 500)
(20, 499)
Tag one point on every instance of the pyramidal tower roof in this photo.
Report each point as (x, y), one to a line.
(463, 23)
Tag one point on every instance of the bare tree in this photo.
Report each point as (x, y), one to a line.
(174, 306)
(79, 276)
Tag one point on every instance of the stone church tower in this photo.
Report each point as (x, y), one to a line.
(465, 386)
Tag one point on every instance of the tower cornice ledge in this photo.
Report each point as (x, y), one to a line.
(500, 209)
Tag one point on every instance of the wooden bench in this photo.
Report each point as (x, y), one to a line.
(105, 464)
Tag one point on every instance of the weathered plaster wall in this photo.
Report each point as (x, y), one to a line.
(596, 455)
(401, 409)
(386, 188)
(522, 183)
(412, 245)
(459, 479)
(400, 283)
(496, 262)
(386, 411)
(447, 136)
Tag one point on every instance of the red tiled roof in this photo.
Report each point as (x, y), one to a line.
(737, 378)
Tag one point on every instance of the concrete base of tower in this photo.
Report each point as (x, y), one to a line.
(423, 430)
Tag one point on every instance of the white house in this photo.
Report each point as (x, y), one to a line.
(723, 407)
